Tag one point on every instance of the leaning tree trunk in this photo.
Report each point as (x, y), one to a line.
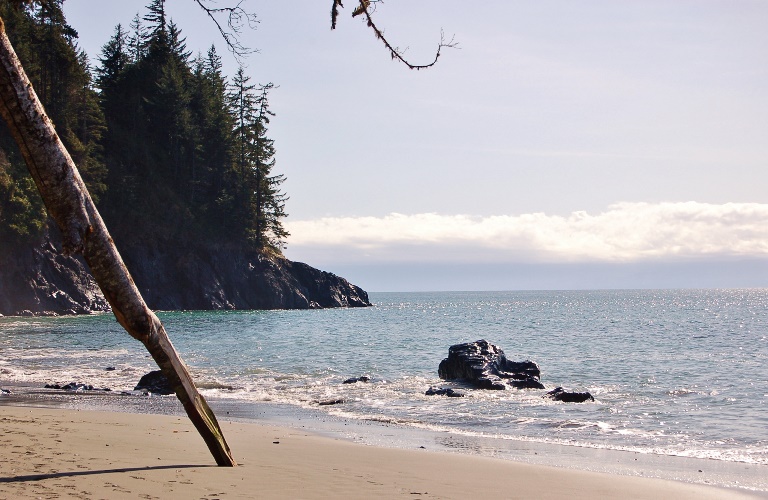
(83, 231)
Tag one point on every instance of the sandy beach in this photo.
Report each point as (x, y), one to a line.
(56, 453)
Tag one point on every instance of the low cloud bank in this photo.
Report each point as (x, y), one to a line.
(624, 232)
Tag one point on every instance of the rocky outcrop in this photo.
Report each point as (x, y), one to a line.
(213, 277)
(38, 280)
(485, 366)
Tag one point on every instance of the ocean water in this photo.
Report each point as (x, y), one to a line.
(675, 373)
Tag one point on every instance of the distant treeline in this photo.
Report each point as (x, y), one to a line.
(168, 146)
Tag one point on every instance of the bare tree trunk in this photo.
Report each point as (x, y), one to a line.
(83, 231)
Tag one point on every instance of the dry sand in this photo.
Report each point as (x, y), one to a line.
(54, 453)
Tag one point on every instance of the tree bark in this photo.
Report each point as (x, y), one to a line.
(83, 231)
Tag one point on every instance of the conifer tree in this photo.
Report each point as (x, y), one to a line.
(61, 78)
(214, 175)
(260, 197)
(269, 199)
(137, 40)
(114, 59)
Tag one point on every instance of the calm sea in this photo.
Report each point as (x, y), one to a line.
(674, 372)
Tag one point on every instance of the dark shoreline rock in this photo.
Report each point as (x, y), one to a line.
(330, 402)
(156, 383)
(560, 394)
(76, 386)
(444, 391)
(485, 366)
(36, 280)
(354, 380)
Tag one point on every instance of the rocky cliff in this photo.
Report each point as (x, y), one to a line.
(39, 280)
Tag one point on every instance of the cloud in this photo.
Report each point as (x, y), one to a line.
(624, 232)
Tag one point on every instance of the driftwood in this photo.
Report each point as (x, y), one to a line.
(83, 231)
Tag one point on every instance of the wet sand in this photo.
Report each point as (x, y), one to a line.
(58, 453)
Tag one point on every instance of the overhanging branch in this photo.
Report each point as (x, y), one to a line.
(364, 8)
(236, 18)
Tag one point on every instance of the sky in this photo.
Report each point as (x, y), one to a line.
(561, 145)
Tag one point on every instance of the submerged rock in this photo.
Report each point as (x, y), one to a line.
(485, 366)
(329, 402)
(354, 380)
(444, 391)
(156, 383)
(560, 394)
(76, 386)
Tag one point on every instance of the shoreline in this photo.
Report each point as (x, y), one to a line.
(617, 469)
(84, 453)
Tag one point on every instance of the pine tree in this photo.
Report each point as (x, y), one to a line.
(270, 200)
(190, 153)
(114, 59)
(137, 41)
(260, 199)
(60, 74)
(158, 27)
(214, 176)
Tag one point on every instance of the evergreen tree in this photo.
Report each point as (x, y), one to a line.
(59, 71)
(137, 41)
(158, 27)
(189, 152)
(114, 59)
(214, 176)
(270, 200)
(260, 197)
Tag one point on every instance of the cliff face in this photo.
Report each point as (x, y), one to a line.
(229, 278)
(39, 280)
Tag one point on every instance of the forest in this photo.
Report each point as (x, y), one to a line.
(171, 149)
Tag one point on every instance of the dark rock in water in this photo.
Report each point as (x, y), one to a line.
(444, 391)
(110, 368)
(4, 391)
(329, 402)
(560, 394)
(156, 383)
(526, 383)
(76, 386)
(485, 366)
(354, 380)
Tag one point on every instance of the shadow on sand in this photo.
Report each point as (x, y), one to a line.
(40, 477)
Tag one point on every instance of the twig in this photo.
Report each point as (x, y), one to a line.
(363, 8)
(237, 16)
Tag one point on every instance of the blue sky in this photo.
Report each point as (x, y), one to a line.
(563, 145)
